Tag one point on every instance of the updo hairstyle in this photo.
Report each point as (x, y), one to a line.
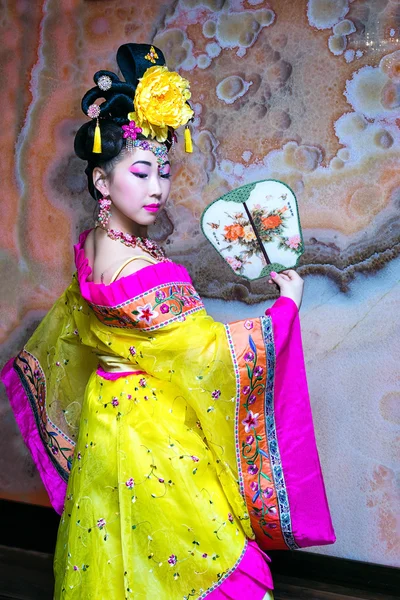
(117, 103)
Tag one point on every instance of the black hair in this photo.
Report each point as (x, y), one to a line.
(113, 111)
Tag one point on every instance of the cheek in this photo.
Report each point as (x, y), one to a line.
(166, 187)
(129, 188)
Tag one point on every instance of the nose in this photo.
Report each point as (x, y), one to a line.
(155, 187)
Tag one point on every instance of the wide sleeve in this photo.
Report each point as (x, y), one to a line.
(246, 382)
(45, 384)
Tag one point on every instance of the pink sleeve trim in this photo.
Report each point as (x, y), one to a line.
(295, 432)
(251, 579)
(54, 484)
(127, 287)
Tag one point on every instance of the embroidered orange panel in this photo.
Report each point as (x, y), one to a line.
(154, 309)
(260, 472)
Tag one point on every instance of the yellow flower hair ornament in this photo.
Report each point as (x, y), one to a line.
(160, 102)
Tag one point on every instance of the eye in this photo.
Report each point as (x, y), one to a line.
(140, 175)
(165, 175)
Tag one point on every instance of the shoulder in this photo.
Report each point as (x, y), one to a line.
(88, 246)
(129, 266)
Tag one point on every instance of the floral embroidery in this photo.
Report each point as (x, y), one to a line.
(270, 225)
(252, 398)
(130, 483)
(235, 263)
(250, 421)
(216, 394)
(59, 447)
(101, 523)
(252, 469)
(268, 492)
(145, 313)
(162, 306)
(294, 242)
(172, 560)
(260, 471)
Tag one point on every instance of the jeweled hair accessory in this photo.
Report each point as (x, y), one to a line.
(94, 113)
(104, 82)
(152, 101)
(152, 55)
(130, 133)
(160, 151)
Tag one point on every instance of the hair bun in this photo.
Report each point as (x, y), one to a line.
(111, 141)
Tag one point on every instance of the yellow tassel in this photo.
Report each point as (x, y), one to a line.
(97, 139)
(188, 140)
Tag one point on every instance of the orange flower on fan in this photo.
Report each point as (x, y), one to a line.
(282, 210)
(271, 222)
(233, 232)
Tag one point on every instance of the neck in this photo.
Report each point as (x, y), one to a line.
(126, 225)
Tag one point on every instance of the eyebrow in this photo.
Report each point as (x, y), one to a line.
(145, 162)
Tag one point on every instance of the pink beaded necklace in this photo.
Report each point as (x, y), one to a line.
(132, 241)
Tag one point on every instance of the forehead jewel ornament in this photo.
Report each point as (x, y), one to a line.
(159, 151)
(104, 82)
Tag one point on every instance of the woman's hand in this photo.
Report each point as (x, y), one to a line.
(290, 285)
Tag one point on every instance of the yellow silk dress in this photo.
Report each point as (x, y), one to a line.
(154, 430)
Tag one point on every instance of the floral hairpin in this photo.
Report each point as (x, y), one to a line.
(104, 82)
(130, 133)
(94, 113)
(161, 103)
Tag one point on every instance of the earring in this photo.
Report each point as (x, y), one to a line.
(104, 215)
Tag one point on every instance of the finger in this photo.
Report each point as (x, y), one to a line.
(291, 274)
(284, 276)
(277, 278)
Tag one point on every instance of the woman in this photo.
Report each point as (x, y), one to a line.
(156, 430)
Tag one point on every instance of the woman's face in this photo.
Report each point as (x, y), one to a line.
(138, 187)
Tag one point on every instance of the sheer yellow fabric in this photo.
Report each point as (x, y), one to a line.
(152, 494)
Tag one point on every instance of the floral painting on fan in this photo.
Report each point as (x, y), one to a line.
(256, 228)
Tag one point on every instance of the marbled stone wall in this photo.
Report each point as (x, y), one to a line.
(304, 92)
